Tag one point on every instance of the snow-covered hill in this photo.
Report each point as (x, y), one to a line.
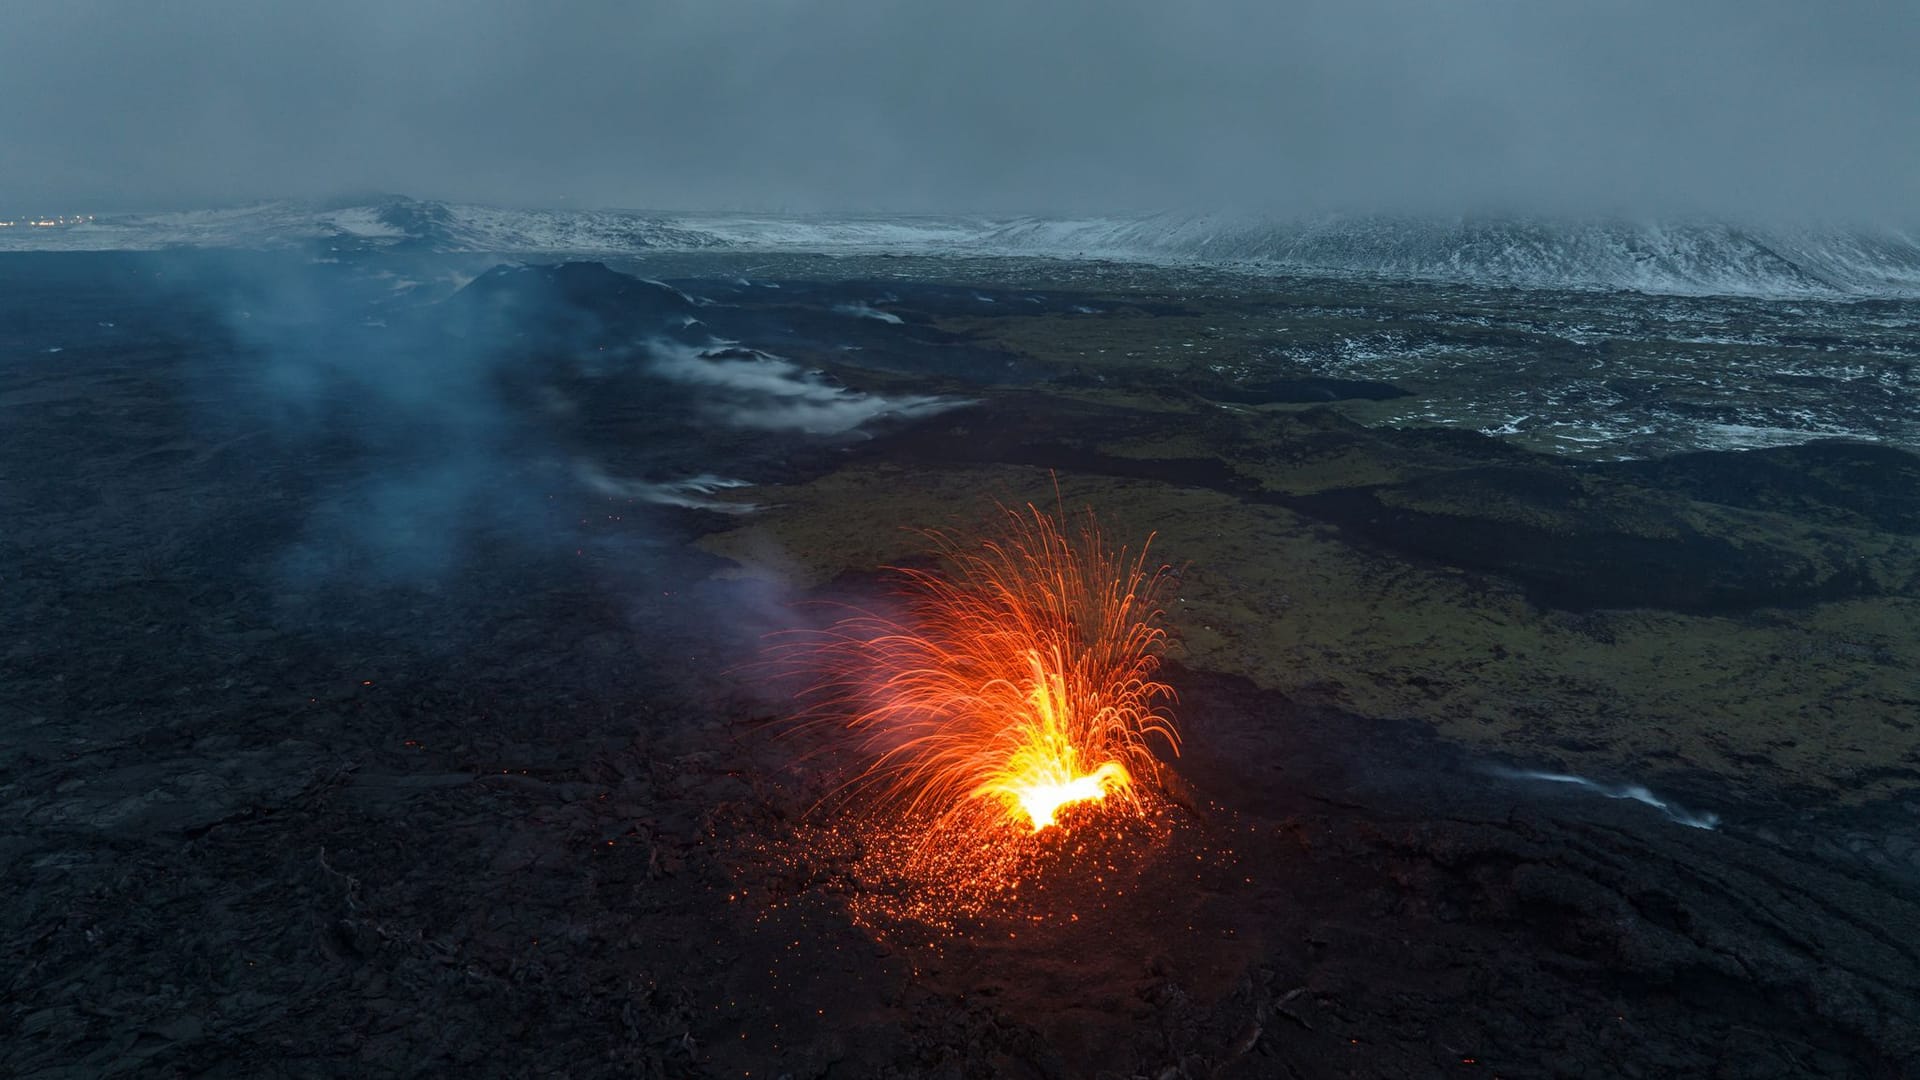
(1688, 258)
(1698, 257)
(394, 223)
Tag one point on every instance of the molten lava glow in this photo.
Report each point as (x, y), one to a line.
(1018, 677)
(1041, 797)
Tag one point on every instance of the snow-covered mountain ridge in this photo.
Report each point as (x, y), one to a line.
(1694, 257)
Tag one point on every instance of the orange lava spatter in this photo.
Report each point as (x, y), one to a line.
(1018, 676)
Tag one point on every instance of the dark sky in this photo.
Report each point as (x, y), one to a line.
(1735, 107)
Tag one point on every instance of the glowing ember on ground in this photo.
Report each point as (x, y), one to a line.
(1019, 676)
(911, 882)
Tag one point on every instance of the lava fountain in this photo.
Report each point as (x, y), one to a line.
(1018, 676)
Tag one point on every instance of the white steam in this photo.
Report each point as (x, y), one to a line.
(690, 492)
(1636, 792)
(868, 311)
(761, 391)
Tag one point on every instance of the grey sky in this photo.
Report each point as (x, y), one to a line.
(1727, 106)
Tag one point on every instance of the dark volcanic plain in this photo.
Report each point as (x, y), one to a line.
(374, 704)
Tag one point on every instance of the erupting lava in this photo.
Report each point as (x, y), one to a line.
(1021, 677)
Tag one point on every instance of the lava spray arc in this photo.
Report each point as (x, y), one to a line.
(1019, 676)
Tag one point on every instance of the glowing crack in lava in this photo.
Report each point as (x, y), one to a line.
(1020, 676)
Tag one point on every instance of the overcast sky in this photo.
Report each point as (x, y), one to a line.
(1737, 107)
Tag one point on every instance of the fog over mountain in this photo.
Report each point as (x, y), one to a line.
(1754, 111)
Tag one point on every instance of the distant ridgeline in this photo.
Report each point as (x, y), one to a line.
(1691, 257)
(1687, 258)
(44, 221)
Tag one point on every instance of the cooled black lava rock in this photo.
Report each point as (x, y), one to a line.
(1844, 483)
(569, 305)
(1301, 391)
